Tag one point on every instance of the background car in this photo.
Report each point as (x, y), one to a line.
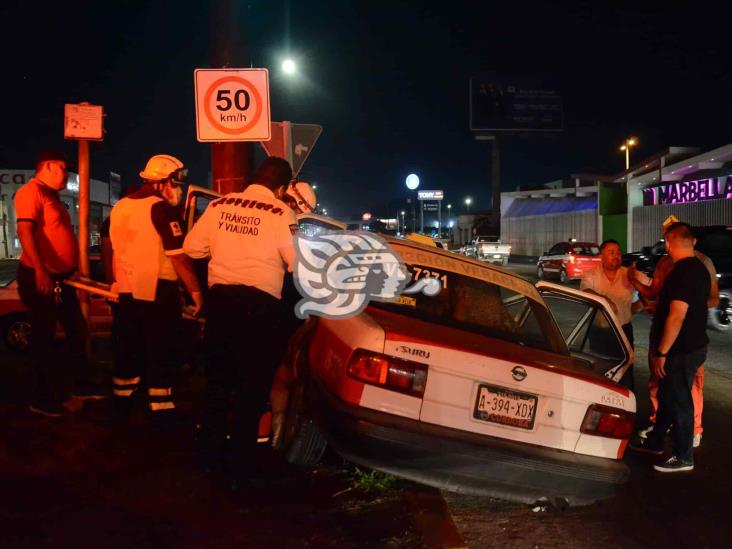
(715, 242)
(492, 387)
(568, 260)
(15, 326)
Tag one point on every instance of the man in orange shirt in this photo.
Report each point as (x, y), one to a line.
(50, 254)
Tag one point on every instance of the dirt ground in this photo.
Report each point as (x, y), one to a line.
(90, 482)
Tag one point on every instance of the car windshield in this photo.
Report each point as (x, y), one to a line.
(480, 307)
(584, 249)
(8, 271)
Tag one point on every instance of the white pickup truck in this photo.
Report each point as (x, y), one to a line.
(488, 248)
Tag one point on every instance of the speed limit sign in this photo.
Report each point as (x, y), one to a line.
(232, 104)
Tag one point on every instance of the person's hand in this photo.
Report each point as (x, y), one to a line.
(197, 298)
(613, 306)
(44, 282)
(658, 366)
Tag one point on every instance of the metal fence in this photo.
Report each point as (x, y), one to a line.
(647, 219)
(535, 234)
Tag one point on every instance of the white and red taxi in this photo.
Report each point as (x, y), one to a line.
(492, 387)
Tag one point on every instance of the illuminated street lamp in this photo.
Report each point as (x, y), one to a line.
(468, 202)
(403, 228)
(289, 67)
(630, 142)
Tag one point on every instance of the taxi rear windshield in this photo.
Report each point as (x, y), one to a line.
(480, 307)
(585, 250)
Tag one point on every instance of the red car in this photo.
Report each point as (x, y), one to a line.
(568, 260)
(14, 323)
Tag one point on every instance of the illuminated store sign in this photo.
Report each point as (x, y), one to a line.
(715, 188)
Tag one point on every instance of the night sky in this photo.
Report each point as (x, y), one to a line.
(388, 81)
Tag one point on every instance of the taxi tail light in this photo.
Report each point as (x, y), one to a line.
(385, 371)
(605, 421)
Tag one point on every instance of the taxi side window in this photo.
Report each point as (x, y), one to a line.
(558, 249)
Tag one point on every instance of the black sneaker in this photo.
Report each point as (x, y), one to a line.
(47, 408)
(641, 445)
(674, 465)
(87, 391)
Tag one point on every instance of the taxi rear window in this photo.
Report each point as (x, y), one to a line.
(477, 306)
(586, 250)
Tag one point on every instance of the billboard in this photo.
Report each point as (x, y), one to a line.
(430, 195)
(500, 103)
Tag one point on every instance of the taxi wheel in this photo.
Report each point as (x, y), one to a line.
(563, 278)
(303, 443)
(16, 330)
(540, 272)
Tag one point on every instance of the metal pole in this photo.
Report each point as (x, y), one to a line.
(496, 181)
(421, 216)
(287, 142)
(231, 162)
(439, 219)
(627, 157)
(83, 218)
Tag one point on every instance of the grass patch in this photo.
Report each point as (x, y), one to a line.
(374, 481)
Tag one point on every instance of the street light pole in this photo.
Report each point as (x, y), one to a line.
(468, 201)
(630, 142)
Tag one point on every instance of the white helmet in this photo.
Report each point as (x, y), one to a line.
(164, 166)
(301, 197)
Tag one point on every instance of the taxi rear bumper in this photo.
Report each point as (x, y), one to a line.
(463, 462)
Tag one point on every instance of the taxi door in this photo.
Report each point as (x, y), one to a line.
(591, 329)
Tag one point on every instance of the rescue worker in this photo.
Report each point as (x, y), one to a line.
(148, 260)
(248, 236)
(301, 197)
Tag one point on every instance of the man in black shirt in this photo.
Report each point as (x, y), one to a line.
(679, 336)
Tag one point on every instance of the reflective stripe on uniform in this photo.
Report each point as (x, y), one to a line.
(158, 392)
(157, 406)
(126, 380)
(122, 392)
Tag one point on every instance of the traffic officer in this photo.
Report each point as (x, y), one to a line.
(248, 236)
(148, 260)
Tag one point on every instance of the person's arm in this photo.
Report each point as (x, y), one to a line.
(285, 238)
(44, 282)
(713, 299)
(168, 224)
(197, 243)
(672, 327)
(183, 266)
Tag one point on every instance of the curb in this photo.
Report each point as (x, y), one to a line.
(433, 518)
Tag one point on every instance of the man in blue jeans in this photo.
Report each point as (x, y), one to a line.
(679, 336)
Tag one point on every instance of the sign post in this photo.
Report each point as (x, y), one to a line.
(84, 122)
(430, 197)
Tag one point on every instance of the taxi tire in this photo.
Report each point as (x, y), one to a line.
(540, 273)
(563, 278)
(15, 331)
(303, 443)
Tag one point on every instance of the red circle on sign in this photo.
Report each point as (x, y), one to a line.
(212, 119)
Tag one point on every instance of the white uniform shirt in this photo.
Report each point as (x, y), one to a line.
(619, 291)
(246, 235)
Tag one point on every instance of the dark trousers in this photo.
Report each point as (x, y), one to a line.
(245, 338)
(675, 406)
(55, 373)
(145, 344)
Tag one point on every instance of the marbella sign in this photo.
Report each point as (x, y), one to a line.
(685, 192)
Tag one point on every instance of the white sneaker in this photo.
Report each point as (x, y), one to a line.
(697, 440)
(643, 433)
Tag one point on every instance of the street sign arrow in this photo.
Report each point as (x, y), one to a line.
(293, 142)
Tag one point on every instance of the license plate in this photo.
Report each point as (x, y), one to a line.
(499, 405)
